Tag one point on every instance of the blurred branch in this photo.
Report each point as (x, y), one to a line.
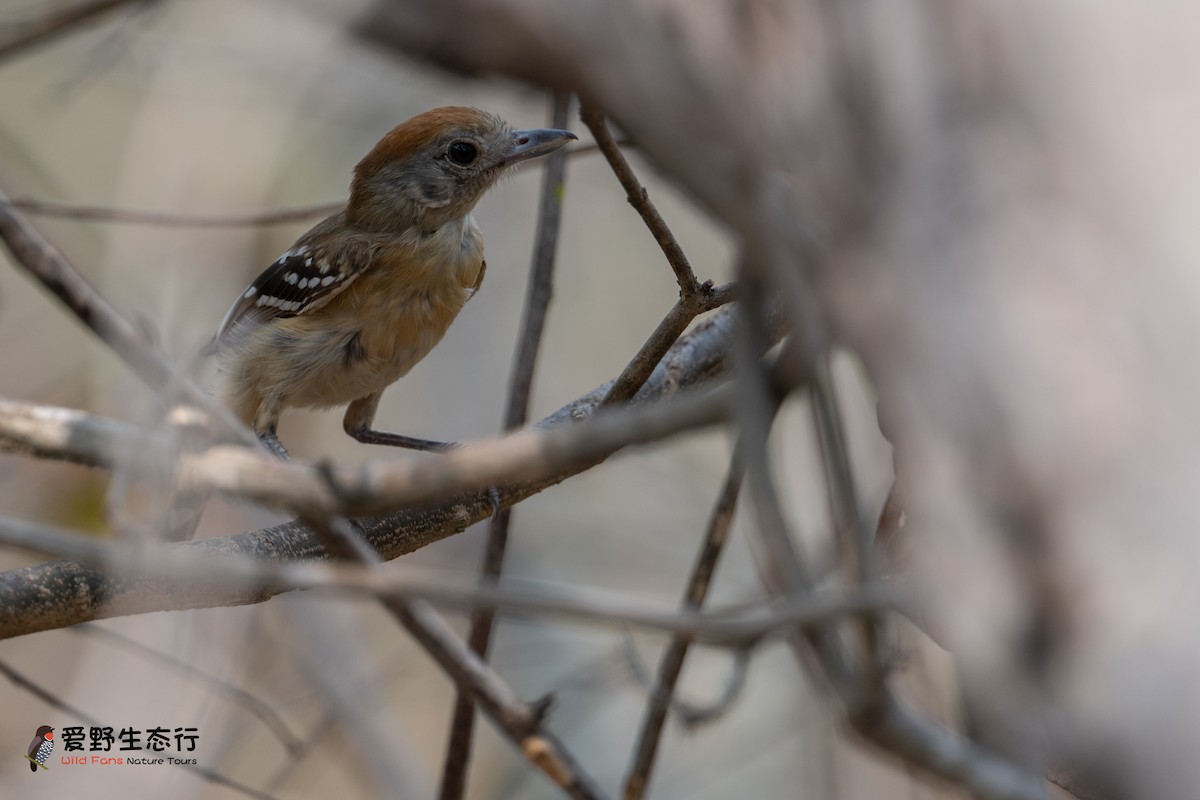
(257, 580)
(64, 434)
(533, 322)
(234, 694)
(16, 37)
(45, 264)
(85, 213)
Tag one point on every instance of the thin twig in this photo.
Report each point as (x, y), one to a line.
(128, 216)
(44, 263)
(638, 197)
(18, 37)
(692, 714)
(235, 694)
(671, 666)
(212, 776)
(533, 323)
(672, 326)
(522, 723)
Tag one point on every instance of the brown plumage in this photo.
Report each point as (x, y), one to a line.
(358, 300)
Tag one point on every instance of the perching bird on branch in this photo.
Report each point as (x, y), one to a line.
(357, 301)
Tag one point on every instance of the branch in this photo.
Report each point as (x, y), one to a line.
(85, 213)
(48, 266)
(61, 593)
(741, 627)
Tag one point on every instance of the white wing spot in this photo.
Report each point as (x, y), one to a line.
(308, 261)
(291, 278)
(303, 283)
(324, 265)
(327, 280)
(251, 292)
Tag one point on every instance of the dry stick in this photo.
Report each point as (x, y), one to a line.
(694, 297)
(237, 695)
(537, 301)
(672, 326)
(48, 266)
(85, 213)
(671, 665)
(640, 200)
(47, 697)
(60, 21)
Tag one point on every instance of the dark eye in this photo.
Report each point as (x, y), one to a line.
(462, 153)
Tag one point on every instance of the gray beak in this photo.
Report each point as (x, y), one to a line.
(525, 145)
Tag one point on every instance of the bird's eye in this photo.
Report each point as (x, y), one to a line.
(462, 153)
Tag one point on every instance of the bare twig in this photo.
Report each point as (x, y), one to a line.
(235, 694)
(640, 200)
(520, 722)
(49, 698)
(129, 216)
(689, 713)
(537, 302)
(45, 264)
(664, 336)
(64, 434)
(15, 38)
(671, 664)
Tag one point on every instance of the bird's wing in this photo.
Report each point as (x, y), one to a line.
(34, 745)
(301, 280)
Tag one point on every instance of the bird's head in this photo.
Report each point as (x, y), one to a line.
(45, 731)
(435, 167)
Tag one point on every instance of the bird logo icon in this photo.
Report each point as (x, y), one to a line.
(40, 748)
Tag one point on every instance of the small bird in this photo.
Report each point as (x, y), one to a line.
(40, 748)
(363, 296)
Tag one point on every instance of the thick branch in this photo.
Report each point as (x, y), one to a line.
(61, 593)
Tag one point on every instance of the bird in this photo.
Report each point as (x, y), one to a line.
(40, 748)
(364, 295)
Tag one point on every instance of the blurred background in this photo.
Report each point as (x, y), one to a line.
(228, 106)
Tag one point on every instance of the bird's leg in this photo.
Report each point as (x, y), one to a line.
(357, 423)
(270, 440)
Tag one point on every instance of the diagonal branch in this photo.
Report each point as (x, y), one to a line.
(61, 593)
(47, 265)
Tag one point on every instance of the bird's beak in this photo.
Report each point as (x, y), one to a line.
(525, 145)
